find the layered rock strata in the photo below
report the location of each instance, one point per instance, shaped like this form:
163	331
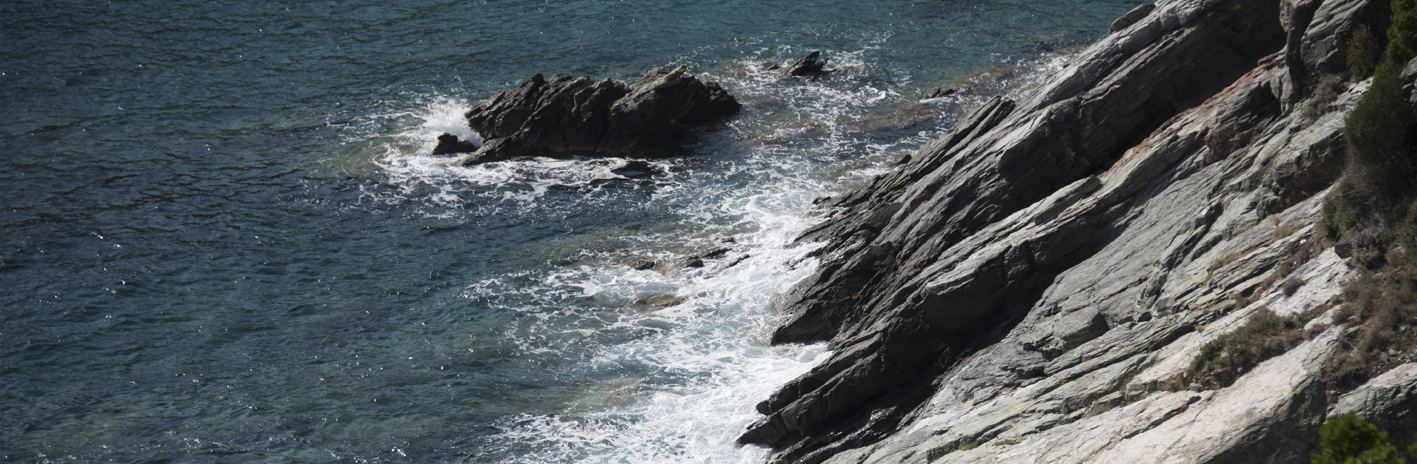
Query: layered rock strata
576	116
1032	279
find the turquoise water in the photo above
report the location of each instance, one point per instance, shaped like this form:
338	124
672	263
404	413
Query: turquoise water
222	238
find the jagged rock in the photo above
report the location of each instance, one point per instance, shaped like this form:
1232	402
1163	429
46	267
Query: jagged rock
1136	14
1047	254
710	252
807	66
569	116
449	144
939	92
673	266
726	264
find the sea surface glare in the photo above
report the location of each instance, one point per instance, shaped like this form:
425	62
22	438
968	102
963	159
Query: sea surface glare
223	239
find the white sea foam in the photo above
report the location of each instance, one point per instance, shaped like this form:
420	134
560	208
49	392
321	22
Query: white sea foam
676	384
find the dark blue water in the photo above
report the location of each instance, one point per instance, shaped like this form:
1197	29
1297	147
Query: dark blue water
222	238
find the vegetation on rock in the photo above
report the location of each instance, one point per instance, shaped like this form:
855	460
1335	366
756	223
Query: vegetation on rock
1364	52
1350	439
1373	214
1230	355
1382	128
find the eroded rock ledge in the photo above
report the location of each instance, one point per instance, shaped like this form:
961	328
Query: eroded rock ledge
1058	257
576	116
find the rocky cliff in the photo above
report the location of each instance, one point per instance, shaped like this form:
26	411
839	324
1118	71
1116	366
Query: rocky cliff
1034	285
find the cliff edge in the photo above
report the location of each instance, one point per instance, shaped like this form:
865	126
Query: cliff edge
1035	285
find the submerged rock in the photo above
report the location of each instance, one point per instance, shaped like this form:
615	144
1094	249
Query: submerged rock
576	116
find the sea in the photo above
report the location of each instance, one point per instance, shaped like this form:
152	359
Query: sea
223	236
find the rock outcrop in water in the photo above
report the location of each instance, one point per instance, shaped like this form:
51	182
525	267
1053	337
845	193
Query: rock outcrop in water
1030	281
576	116
807	66
450	144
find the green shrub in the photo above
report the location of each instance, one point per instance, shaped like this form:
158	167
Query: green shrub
1382	128
1339	211
1364	52
1380	132
1349	439
1402	35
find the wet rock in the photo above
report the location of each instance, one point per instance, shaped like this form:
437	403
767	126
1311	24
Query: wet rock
449	144
674	266
807	66
576	116
636	169
665	301
711	252
726	264
638	263
939	92
1132	17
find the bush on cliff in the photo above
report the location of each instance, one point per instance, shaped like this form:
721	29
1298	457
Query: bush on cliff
1230	355
1364	52
1374	215
1382	129
1350	439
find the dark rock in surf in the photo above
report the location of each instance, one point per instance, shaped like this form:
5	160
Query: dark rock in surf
449	144
576	116
673	266
636	169
940	92
808	66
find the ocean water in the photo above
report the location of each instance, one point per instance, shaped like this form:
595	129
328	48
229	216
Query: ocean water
223	239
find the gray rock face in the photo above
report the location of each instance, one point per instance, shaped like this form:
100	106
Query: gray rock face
1034	276
1325	39
1409	81
1131	17
1388	401
569	116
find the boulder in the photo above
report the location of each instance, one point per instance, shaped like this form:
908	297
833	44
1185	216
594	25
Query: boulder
808	66
449	144
575	116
